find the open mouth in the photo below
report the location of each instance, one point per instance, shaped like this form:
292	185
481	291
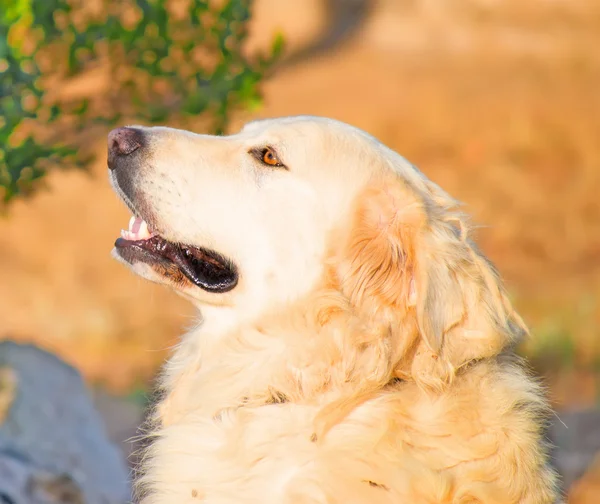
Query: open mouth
204	268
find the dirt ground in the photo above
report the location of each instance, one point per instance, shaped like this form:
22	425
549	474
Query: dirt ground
498	102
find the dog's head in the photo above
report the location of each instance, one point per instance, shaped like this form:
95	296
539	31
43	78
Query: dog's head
238	220
253	221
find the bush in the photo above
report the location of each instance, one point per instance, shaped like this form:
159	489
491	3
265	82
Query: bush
153	57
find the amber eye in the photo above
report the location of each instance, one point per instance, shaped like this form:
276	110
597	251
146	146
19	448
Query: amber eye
269	157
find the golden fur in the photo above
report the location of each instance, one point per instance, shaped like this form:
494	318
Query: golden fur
390	380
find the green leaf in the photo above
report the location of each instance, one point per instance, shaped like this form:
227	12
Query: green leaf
277	46
159	65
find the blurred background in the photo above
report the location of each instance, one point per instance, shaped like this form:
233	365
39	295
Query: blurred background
496	101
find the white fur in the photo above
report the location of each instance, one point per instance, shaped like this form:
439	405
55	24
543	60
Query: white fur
213	440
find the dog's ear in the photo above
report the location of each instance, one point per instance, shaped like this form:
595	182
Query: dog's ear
380	257
463	312
409	255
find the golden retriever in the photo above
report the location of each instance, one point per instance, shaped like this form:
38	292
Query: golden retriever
354	346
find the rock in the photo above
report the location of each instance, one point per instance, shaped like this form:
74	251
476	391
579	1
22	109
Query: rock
576	439
122	419
53	444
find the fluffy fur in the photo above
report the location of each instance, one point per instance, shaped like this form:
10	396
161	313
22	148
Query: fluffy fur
366	354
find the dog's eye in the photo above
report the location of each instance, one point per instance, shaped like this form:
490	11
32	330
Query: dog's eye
268	156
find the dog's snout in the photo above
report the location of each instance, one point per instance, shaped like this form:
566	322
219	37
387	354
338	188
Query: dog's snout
123	142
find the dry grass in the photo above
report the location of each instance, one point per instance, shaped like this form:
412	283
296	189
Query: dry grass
498	102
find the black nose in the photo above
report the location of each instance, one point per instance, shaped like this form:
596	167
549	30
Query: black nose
122	142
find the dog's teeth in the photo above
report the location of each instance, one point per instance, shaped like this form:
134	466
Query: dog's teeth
138	230
143	233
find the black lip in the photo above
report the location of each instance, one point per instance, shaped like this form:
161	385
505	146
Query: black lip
204	268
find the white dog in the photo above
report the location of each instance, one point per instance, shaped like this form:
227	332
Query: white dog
354	346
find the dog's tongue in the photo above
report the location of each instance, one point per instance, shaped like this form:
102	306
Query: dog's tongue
138	230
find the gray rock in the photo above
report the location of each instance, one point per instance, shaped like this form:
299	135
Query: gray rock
576	439
122	419
53	444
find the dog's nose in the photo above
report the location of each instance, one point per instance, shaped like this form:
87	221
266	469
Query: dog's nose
122	142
